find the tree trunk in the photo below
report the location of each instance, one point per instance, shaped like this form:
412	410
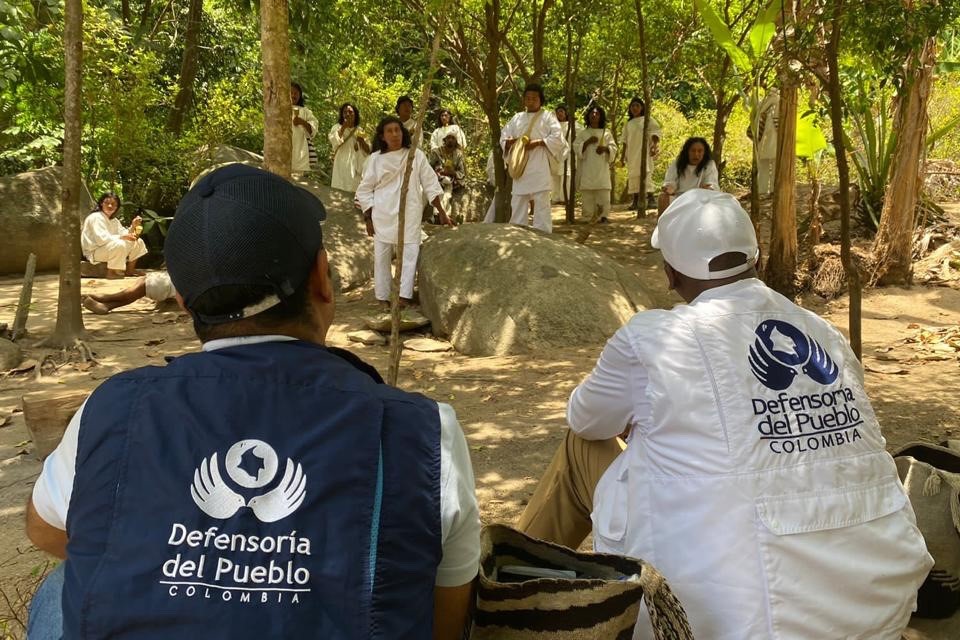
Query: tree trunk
647	108
69	326
843	172
893	247
188	69
781	268
277	110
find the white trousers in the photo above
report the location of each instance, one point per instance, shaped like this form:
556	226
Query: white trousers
118	252
541	210
594	201
383	273
765	169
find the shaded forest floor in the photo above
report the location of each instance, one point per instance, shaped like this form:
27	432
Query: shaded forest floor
511	408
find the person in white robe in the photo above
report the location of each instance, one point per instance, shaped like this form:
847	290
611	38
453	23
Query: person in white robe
445	127
404	111
451	170
543	138
104	239
768	120
596	150
379	197
560	167
350	149
304	127
632	154
694	168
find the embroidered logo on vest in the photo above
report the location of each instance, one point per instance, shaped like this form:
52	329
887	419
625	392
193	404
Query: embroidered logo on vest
251	464
781	352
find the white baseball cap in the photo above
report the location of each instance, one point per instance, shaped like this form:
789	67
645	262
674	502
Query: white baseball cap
700	225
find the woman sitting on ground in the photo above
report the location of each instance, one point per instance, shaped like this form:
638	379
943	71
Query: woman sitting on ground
104	239
693	169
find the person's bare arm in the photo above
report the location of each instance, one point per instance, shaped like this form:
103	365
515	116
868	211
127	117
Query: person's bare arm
451	606
45	536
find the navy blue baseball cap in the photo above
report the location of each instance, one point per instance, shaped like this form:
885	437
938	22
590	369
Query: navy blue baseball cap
240	225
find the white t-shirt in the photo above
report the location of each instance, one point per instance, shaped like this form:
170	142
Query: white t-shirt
459	514
98	230
708	178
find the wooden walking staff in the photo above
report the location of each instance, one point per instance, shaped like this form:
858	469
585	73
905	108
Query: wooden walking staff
395	347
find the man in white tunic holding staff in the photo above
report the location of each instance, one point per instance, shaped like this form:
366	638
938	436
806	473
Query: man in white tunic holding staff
540	134
379	197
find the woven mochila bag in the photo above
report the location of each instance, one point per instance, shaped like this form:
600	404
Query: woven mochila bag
931	475
601	602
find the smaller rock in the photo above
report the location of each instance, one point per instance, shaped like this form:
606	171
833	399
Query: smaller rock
367	337
409	320
427	345
10	354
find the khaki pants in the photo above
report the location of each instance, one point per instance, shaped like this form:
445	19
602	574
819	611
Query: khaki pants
559	510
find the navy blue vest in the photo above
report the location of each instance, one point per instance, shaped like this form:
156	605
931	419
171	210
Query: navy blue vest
264	490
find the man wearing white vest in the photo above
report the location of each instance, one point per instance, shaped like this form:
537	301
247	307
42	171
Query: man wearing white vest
755	476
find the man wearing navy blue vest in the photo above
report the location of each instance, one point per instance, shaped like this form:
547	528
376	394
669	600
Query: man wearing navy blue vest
267	486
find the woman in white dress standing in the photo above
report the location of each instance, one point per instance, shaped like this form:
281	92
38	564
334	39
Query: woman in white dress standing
379	197
304	127
694	168
597	151
446	126
350	149
632	155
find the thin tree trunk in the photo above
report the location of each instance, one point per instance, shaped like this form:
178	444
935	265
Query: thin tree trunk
843	172
781	268
69	328
188	69
647	108
277	110
125	12
893	247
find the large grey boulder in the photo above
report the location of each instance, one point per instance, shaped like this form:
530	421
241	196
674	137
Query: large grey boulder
497	289
30	218
344	235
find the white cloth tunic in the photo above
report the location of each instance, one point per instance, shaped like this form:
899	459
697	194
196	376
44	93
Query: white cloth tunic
633	141
708	178
536	177
348	160
595	167
380	189
436	138
756	478
98	231
300	152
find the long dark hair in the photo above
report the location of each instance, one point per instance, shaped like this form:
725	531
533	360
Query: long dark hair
682	160
603	116
356	112
440	117
106	196
300	89
379	144
636	100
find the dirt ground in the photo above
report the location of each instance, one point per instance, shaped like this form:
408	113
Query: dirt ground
511	408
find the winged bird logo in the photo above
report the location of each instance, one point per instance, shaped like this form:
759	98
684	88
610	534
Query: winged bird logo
781	352
216	499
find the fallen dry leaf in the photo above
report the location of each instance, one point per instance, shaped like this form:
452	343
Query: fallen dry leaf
888	369
26	365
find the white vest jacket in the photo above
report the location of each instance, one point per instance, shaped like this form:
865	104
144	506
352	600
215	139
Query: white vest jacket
759	485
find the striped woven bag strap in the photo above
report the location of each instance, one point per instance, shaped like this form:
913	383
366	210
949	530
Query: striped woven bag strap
667	615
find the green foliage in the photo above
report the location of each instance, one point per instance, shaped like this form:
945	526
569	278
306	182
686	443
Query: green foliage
868	103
